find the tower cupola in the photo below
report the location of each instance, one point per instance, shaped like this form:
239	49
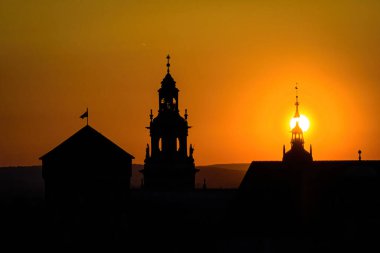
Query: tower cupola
168	93
297	153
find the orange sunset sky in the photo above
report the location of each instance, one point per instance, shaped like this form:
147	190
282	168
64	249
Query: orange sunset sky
235	62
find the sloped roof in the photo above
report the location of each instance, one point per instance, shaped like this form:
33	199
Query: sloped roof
86	138
168	82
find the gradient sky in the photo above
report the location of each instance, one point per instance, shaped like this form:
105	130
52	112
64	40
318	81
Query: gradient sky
235	63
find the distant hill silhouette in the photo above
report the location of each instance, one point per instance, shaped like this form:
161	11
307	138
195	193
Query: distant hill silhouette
230	166
21	183
225	176
27	183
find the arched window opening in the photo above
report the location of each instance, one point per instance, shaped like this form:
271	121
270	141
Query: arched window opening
177	144
160	144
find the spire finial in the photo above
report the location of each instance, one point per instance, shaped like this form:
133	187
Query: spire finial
191	150
168	64
297	114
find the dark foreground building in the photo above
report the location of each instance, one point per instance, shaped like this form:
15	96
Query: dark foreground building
310	199
87	179
168	163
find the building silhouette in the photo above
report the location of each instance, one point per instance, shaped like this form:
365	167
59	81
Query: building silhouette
87	179
169	165
300	195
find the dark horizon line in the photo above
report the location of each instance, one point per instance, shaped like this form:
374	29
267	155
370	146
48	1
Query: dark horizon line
215	164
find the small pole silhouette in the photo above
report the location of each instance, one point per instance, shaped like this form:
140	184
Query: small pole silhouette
204	184
360	155
168	64
191	150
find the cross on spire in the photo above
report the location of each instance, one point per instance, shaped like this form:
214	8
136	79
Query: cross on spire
168	64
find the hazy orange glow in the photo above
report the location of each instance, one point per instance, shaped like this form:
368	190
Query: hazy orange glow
235	63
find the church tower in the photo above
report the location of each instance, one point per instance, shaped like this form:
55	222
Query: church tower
297	153
169	165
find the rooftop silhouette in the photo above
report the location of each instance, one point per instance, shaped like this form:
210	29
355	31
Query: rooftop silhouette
87	181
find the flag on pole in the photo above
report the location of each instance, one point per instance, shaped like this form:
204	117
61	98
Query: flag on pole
85	115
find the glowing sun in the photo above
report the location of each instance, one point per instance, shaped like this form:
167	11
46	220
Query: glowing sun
302	121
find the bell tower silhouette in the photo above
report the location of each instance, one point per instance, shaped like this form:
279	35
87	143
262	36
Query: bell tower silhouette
168	165
297	152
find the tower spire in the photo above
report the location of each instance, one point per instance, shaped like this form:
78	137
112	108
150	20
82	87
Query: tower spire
297	114
168	164
297	133
297	153
168	63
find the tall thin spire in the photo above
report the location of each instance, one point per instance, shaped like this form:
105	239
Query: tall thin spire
297	114
297	133
168	64
297	152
